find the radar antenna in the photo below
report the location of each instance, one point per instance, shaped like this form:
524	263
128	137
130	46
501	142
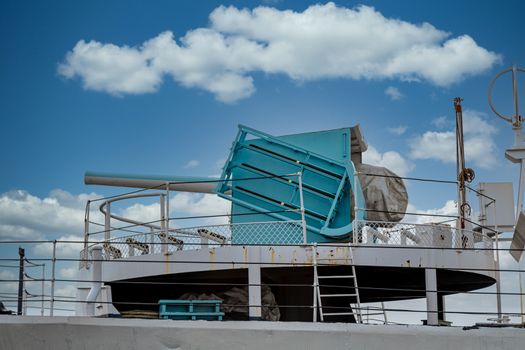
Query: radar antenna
516	154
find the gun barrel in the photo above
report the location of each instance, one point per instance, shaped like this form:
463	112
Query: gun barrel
176	183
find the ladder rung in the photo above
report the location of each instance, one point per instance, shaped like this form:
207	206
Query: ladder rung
338	314
337	295
348	276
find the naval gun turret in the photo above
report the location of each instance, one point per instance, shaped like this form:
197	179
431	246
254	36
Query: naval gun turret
318	176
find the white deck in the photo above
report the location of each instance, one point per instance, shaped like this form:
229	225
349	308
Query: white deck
240	257
61	333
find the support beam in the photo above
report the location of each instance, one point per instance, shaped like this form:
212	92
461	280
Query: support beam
432	297
254	291
441	307
96	281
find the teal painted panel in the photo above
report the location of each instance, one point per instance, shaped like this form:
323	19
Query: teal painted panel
328	176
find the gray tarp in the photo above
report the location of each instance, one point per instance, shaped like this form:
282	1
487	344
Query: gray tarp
384	192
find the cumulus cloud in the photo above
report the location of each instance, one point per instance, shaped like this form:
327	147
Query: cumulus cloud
441	122
390	159
182	204
24	216
399	130
68	246
480	147
394	93
323	41
426	215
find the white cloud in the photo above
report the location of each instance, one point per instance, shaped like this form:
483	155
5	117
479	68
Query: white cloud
8	287
182	204
426	216
192	164
394	93
68	246
480	147
400	130
193	204
24	216
16	232
323	41
69	272
66	291
390	160
441	122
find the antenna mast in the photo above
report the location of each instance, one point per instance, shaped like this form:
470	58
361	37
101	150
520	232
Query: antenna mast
516	154
464	174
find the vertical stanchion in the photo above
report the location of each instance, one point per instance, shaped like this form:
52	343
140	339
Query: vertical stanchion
356	210
83	263
167	208
301	201
21	254
96	281
254	286
316	281
107	223
432	297
53	268
498	282
163	223
26	295
42	288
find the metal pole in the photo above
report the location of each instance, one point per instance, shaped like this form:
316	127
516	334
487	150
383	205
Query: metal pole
315	284
521	186
522	297
42	290
96	281
356	210
515	93
301	200
53	266
498	282
107	223
167	207
86	235
163	223
21	254
26	295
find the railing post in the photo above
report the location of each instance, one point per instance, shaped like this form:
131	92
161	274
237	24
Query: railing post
167	199
96	281
84	263
42	288
107	222
316	281
163	223
21	254
498	282
53	268
301	201
355	224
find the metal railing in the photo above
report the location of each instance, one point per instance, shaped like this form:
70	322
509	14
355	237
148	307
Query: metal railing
197	237
422	235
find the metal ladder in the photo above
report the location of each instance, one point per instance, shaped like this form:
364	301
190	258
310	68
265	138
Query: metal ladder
318	297
376	311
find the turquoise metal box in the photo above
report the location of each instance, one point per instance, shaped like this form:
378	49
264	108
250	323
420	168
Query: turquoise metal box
191	309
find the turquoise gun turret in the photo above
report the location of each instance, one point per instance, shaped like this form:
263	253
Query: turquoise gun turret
261	178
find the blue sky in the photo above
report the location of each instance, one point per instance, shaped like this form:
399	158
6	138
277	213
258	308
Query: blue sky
59	118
